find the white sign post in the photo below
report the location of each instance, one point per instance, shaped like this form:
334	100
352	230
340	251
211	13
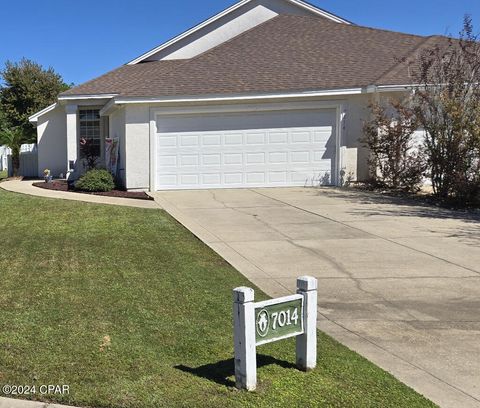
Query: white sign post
245	347
307	342
273	320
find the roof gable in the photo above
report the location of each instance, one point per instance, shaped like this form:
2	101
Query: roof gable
285	54
315	54
228	24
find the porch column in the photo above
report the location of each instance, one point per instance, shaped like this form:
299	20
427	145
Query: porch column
72	140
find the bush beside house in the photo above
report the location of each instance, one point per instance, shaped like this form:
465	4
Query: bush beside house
446	105
96	180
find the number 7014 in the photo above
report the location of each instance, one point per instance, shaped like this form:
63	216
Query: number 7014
284	318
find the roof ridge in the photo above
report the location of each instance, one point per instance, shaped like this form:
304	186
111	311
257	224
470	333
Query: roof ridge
211	50
363	27
407	56
242	34
403	59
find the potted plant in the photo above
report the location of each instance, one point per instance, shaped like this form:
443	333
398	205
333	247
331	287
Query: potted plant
47	176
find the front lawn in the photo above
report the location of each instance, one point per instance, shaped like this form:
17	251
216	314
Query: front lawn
130	310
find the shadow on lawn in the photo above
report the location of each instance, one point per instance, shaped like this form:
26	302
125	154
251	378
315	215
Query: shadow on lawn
221	371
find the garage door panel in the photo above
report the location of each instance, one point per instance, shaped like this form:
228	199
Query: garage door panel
234	139
321	136
233	178
278	157
278	177
320	155
233	159
209	154
301	137
167	161
278	137
255	158
212	179
255	178
255	139
212	159
300	157
189	160
212	140
167	180
167	141
189	141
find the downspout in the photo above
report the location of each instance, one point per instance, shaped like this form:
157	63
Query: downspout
375	98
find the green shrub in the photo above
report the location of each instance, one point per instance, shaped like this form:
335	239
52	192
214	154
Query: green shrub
95	181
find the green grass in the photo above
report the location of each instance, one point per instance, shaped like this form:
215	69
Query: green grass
73	273
3	175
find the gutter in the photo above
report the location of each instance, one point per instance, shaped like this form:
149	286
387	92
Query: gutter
85	97
115	100
233	98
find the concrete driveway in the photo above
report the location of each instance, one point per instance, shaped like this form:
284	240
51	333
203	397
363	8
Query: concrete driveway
399	283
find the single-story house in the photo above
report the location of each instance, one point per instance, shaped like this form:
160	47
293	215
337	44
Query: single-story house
266	93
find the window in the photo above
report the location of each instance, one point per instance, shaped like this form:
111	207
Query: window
90	128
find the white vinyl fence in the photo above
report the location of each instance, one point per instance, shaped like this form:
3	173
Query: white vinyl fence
4	153
28	161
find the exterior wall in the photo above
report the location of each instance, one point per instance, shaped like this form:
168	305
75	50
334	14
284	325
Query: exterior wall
356	155
52	142
137	145
117	130
358	113
227	27
132	125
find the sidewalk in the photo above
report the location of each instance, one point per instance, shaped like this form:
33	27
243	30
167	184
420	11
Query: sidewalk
26	187
14	403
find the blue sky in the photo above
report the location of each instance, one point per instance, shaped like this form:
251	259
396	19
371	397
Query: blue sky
84	39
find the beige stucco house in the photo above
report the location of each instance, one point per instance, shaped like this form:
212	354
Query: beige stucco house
266	93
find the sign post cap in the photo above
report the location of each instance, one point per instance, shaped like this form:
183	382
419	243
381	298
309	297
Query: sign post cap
243	295
307	283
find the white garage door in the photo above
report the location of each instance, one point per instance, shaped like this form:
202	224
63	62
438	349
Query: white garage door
287	148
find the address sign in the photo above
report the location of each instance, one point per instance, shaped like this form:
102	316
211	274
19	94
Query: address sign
272	320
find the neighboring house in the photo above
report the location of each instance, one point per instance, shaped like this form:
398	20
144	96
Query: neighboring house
266	93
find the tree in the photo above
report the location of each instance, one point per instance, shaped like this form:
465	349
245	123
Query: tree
27	88
448	107
396	161
13	138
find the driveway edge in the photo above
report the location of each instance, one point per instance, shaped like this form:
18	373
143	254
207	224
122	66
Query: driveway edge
436	390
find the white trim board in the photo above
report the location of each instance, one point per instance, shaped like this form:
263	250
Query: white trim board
34	117
93	96
229	10
270	302
233	97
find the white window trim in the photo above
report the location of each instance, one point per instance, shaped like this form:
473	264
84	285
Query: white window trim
101	158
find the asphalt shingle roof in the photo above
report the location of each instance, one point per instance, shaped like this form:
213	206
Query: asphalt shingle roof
285	54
